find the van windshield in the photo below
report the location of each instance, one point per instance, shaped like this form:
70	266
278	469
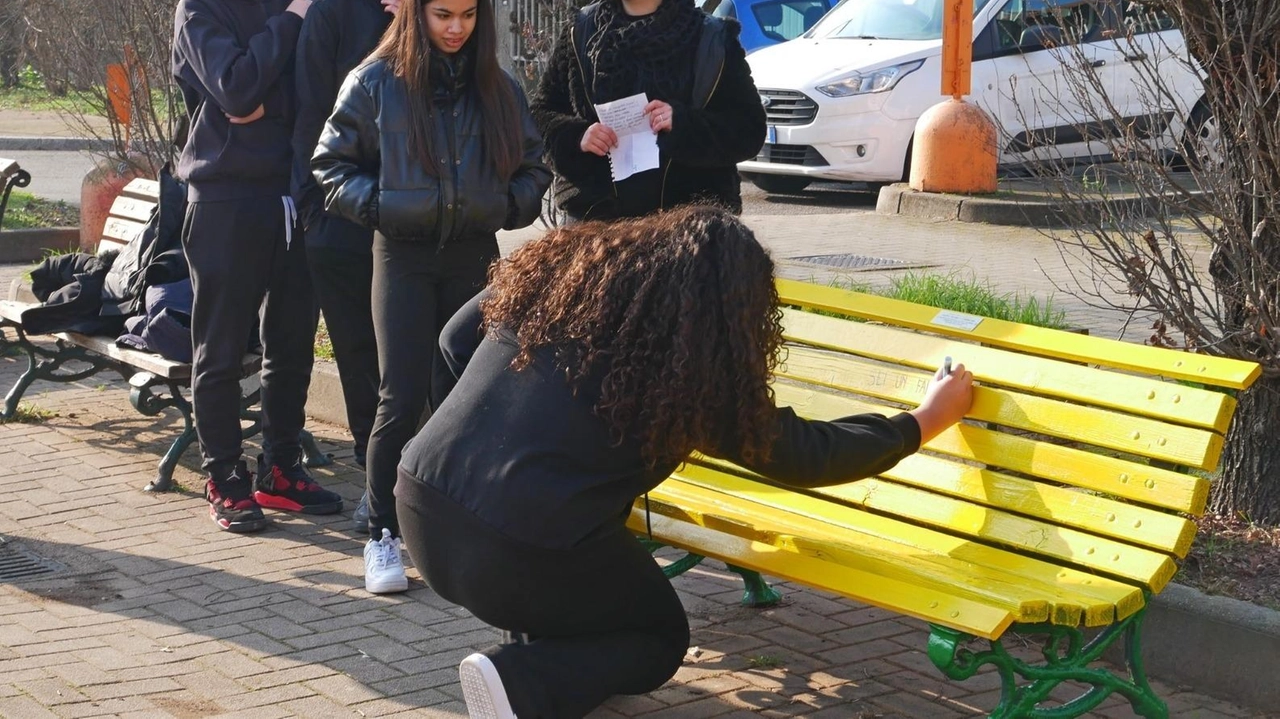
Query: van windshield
886	20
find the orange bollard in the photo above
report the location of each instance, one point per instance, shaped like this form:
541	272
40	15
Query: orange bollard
955	142
955	150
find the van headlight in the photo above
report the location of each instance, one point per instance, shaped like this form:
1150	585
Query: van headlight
861	83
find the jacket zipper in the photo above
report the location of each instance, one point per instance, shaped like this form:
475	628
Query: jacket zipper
662	195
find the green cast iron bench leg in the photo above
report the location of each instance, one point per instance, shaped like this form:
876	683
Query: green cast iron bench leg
1067	658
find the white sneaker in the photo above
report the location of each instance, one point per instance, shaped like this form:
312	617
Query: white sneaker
383	568
482	689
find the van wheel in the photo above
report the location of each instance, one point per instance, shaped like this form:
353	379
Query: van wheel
1202	142
782	184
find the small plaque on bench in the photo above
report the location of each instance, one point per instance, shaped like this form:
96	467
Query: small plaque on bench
957	320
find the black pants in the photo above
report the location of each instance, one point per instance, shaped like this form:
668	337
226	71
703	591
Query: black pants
415	291
242	271
343	280
604	619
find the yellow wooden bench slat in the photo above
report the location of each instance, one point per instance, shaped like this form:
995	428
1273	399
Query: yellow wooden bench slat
1217	371
750	504
1038	375
1133	523
1099	427
909	599
1152	569
795	533
1111	475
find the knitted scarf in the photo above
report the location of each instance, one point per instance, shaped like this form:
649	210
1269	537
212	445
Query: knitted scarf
652	54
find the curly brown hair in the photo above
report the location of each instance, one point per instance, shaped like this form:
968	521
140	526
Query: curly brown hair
677	312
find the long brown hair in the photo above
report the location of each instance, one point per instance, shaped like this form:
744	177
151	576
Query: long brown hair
406	48
676	311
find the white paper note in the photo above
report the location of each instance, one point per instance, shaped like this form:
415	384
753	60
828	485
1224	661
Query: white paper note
637	149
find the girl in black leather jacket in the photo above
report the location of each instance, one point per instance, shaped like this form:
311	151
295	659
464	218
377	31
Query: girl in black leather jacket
430	144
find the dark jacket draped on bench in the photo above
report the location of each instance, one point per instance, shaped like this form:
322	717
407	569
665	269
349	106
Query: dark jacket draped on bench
525	437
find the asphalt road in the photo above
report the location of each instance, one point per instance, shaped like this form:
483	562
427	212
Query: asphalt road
57	176
54	175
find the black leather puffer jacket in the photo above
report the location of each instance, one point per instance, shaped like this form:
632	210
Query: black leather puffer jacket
370	177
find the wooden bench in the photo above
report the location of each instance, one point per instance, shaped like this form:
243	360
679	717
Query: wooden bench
1058	508
11	176
155	383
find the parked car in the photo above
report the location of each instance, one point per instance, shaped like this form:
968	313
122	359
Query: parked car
766	22
842	100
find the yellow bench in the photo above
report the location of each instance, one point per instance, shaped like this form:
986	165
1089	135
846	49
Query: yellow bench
1065	500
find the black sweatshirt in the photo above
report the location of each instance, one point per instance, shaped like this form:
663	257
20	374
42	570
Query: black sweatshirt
532	460
336	36
229	57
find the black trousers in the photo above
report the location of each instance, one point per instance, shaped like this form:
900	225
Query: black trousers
604	619
242	271
343	280
416	289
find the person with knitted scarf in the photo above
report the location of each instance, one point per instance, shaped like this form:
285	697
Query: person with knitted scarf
703	106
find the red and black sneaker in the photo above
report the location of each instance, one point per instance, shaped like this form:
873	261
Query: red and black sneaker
231	504
291	489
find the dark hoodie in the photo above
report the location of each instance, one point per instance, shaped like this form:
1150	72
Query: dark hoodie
337	36
229	57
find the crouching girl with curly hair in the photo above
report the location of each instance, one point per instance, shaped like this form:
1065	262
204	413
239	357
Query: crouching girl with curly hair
597	360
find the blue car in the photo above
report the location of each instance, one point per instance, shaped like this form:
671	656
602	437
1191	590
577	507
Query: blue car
766	22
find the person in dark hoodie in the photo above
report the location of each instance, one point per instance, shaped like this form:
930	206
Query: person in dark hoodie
597	360
337	35
233	61
703	105
431	145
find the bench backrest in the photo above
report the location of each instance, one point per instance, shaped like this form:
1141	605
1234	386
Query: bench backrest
1081	450
129	213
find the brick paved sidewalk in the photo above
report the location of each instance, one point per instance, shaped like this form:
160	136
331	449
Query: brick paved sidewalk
155	613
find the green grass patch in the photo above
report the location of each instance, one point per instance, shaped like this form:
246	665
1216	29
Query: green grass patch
32	94
764	661
951	292
324	345
29	414
27	211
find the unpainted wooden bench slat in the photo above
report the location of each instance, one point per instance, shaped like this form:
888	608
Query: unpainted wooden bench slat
120	231
1111	475
1151	528
143	188
12	310
8	167
1218	371
1099	427
756	509
1038	375
909	599
136	209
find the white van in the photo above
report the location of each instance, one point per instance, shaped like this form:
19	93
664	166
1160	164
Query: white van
843	99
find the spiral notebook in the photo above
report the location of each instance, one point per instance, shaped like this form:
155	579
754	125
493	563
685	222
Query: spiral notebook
637	149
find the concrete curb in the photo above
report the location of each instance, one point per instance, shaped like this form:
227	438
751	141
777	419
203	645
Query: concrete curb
28	245
54	144
1018	209
1220	646
1223	647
